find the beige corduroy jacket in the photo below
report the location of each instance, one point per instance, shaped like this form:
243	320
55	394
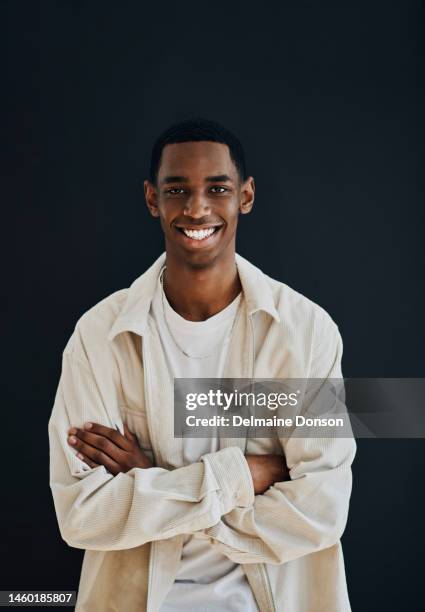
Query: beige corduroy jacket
132	525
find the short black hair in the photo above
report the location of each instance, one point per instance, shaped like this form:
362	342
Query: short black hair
197	129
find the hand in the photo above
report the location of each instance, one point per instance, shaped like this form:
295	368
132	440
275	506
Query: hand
100	445
266	470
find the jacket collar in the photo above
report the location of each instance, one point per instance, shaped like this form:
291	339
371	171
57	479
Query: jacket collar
134	313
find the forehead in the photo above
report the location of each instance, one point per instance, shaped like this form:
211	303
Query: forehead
196	159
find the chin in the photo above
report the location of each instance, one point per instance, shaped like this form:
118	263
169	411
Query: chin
200	260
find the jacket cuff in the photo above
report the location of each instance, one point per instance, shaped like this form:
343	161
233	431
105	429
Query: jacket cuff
233	476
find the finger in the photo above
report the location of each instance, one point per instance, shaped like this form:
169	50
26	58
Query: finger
96	455
128	434
112	434
105	445
89	462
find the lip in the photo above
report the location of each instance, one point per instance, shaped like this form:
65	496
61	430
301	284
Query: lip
198	227
198	244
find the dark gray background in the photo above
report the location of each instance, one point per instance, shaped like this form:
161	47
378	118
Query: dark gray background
328	101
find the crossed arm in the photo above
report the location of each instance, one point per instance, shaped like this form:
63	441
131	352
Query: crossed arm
100	445
252	512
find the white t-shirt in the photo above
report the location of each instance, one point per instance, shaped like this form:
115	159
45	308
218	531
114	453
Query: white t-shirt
207	581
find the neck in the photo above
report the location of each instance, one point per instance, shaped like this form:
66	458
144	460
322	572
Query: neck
199	293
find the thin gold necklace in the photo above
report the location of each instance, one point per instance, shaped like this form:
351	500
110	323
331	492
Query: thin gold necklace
226	340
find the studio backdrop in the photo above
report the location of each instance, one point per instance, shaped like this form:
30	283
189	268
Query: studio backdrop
327	100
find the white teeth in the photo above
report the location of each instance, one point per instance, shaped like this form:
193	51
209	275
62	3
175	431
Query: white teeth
199	234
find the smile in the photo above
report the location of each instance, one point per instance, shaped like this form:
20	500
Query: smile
199	234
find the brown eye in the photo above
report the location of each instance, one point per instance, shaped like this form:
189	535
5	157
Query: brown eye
224	189
175	190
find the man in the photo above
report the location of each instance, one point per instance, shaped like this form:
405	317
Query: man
198	524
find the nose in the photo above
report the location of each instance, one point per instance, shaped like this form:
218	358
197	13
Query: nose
196	206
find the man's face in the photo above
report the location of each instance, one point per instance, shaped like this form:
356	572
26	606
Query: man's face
198	198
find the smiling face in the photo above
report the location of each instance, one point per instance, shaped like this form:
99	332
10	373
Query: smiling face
198	197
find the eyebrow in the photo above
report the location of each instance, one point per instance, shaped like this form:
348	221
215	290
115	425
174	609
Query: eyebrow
218	178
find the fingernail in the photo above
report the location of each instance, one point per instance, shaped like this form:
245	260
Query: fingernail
72	440
88	425
80	456
73	430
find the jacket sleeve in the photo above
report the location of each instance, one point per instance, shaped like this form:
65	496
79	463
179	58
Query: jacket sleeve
99	511
309	512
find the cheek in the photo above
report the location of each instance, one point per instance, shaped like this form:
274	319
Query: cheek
165	219
168	212
227	209
232	220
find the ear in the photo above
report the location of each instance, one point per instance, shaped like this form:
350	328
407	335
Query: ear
247	196
151	197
